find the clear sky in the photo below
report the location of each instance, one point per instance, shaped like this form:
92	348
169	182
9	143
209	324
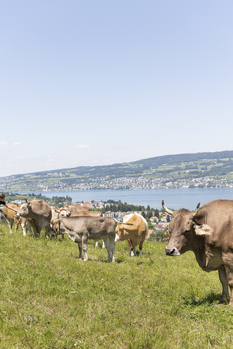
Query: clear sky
87	82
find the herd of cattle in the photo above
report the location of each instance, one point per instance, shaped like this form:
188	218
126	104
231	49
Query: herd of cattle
79	223
207	231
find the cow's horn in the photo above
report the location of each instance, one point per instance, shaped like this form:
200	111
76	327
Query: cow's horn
117	220
197	211
166	209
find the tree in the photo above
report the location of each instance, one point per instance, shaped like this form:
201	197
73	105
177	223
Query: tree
150	225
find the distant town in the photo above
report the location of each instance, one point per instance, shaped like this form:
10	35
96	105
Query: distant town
124	183
200	170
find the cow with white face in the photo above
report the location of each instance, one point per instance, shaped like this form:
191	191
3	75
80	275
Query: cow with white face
39	213
134	229
208	232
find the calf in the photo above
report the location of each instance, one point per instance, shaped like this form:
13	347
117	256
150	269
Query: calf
80	229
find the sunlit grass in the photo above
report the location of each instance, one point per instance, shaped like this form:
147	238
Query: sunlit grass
51	299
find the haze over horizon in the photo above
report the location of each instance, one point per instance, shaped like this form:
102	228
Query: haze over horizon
100	83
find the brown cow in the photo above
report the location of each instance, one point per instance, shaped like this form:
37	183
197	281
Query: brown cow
78	210
40	215
134	229
208	232
82	228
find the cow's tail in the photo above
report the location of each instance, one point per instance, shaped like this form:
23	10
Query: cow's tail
146	223
147	230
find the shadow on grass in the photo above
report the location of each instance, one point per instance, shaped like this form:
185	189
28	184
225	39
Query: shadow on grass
209	299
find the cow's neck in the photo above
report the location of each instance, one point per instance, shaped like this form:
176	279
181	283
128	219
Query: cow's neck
198	248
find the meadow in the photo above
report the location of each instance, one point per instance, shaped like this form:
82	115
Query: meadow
50	299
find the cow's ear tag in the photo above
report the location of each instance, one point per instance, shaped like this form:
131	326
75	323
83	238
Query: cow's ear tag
203	229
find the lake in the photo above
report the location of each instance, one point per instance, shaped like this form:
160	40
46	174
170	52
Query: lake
173	198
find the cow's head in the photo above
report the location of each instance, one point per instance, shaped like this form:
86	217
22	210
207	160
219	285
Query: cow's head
63	211
55	226
121	231
24	209
184	230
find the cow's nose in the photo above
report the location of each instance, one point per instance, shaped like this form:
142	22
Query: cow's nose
169	251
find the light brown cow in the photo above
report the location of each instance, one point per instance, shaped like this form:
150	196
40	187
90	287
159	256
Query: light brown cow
134	229
208	232
10	216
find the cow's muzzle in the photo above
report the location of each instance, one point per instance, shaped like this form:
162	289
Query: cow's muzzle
117	238
172	251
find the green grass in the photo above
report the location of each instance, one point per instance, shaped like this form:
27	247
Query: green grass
51	299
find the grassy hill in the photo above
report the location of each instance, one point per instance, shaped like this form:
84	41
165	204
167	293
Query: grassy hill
51	299
171	167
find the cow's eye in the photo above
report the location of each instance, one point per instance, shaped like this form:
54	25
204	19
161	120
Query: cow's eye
186	232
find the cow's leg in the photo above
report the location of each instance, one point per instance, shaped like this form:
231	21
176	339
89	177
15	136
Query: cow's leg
131	248
84	247
140	247
80	250
96	244
35	229
229	273
223	279
103	246
47	232
17	222
134	250
23	225
28	227
109	248
112	246
228	264
10	224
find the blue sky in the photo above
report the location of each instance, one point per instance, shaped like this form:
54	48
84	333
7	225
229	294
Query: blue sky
102	82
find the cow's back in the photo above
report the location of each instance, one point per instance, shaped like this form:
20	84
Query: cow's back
41	208
138	223
90	225
218	214
8	213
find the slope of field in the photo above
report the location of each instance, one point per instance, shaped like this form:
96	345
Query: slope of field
50	299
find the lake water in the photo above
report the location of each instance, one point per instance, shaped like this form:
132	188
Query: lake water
173	198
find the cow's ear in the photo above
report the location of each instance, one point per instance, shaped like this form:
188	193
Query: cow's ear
203	229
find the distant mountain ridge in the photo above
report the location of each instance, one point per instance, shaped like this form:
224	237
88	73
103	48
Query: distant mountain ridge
168	168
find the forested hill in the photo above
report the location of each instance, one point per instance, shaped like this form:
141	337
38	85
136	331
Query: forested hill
161	170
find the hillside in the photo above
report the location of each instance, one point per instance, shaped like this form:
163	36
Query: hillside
209	169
